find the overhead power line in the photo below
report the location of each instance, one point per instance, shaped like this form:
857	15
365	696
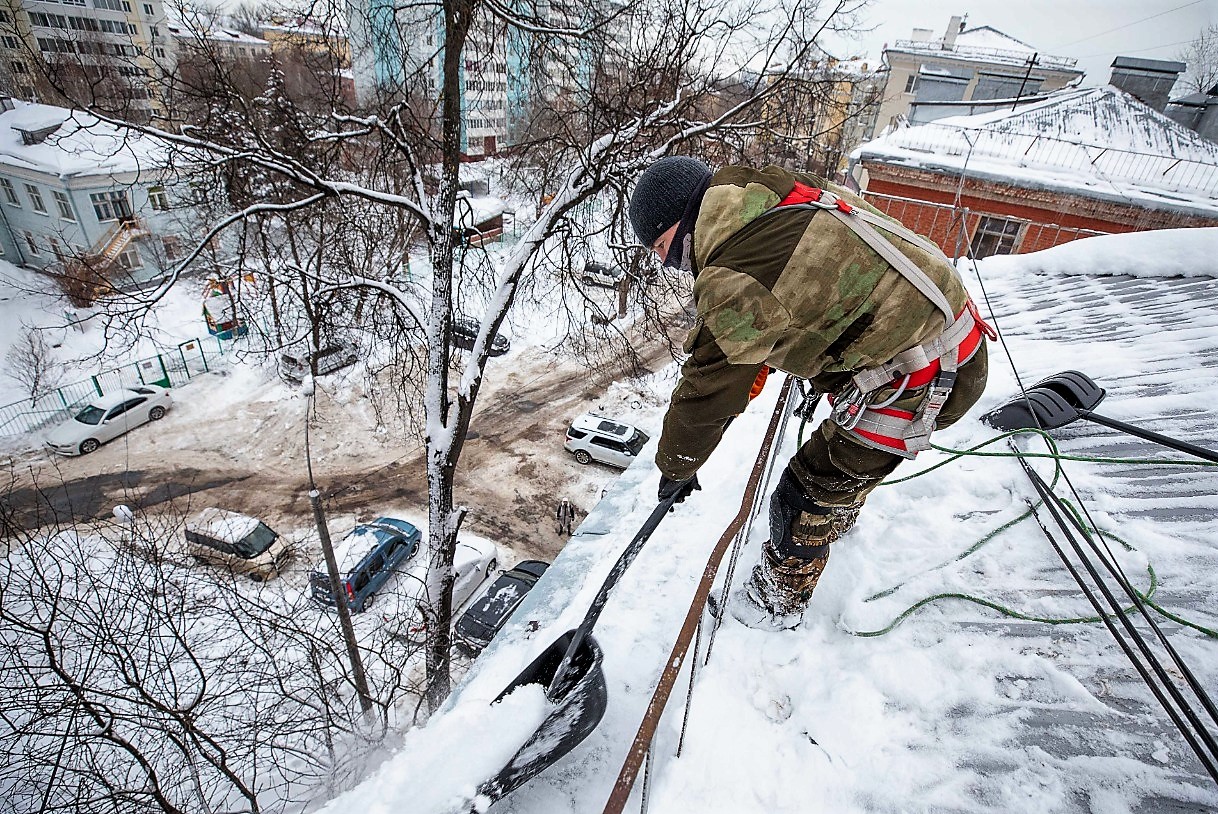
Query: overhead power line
1127	25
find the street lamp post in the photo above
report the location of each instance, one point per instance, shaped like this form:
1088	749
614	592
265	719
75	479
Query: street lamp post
336	591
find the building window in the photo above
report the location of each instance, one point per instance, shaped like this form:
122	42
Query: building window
19	67
65	206
158	198
148	10
10	194
911	83
172	246
110	205
36	198
9	42
29	241
995	236
130	258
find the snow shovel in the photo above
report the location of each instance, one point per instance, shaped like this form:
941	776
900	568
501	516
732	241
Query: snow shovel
1067	397
570	670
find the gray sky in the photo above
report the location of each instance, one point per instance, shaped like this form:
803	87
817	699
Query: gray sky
1092	31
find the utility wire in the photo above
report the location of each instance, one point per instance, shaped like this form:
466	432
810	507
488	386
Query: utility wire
1127	25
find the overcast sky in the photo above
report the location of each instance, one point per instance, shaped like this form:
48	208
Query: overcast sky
1092	31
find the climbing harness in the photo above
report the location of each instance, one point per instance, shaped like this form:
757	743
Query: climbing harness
932	365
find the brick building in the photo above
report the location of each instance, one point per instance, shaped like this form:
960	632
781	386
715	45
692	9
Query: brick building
1078	163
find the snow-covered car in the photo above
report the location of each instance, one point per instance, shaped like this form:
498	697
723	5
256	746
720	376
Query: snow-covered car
238	542
473	561
465	333
602	274
489	612
108	417
595	438
295	365
366	557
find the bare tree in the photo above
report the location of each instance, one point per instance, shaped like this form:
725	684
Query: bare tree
32	363
297	174
1201	56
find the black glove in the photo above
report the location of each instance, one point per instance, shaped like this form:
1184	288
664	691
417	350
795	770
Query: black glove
677	489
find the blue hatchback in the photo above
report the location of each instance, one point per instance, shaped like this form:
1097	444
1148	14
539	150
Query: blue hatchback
366	557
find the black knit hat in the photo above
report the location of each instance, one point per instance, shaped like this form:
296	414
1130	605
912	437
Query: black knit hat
662	195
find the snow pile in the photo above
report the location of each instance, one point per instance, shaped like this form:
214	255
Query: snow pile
1163	253
439	767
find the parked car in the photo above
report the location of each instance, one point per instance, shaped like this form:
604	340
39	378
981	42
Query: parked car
294	365
238	542
473	562
366	557
595	438
487	615
108	417
465	333
597	273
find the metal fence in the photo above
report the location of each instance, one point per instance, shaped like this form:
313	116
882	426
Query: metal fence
1195	173
168	369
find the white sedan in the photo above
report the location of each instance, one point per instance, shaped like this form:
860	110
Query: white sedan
108	417
473	561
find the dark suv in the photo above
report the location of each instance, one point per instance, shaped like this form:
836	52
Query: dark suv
366	558
487	615
465	333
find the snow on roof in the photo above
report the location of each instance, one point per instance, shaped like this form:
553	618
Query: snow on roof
472	211
986	37
957	708
218	33
82	145
1093	142
985	44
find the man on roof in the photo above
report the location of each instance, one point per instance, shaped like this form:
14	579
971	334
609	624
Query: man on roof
799	275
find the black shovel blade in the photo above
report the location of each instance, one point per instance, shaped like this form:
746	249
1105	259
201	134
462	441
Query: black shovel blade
1040	407
581	701
1078	389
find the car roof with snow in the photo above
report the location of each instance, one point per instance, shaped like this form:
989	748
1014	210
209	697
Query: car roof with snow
590	422
353	547
222	524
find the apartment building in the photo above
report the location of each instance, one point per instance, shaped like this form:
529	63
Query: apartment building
965	64
111	52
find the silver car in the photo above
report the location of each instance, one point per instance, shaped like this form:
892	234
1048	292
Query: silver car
108	417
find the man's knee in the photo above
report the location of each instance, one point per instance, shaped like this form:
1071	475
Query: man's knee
802	527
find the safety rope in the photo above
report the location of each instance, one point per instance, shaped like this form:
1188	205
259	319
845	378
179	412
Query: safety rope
640	747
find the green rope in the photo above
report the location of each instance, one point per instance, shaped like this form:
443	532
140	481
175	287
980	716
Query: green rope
1054	455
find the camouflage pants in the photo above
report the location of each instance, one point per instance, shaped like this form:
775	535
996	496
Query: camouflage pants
820	495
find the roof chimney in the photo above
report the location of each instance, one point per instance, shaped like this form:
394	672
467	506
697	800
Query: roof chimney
949	38
1148	80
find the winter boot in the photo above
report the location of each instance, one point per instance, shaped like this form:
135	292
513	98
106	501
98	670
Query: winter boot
777	593
795	556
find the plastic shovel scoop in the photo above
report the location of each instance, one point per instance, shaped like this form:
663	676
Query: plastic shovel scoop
570	670
1066	397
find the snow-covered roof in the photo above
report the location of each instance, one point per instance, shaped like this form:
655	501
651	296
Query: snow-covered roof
82	144
219	34
958	708
473	210
1092	142
985	44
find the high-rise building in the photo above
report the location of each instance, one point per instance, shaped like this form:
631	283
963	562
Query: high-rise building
108	52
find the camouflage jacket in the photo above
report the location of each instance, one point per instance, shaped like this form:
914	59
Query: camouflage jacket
796	290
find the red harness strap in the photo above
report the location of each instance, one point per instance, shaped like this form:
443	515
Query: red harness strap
802	194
